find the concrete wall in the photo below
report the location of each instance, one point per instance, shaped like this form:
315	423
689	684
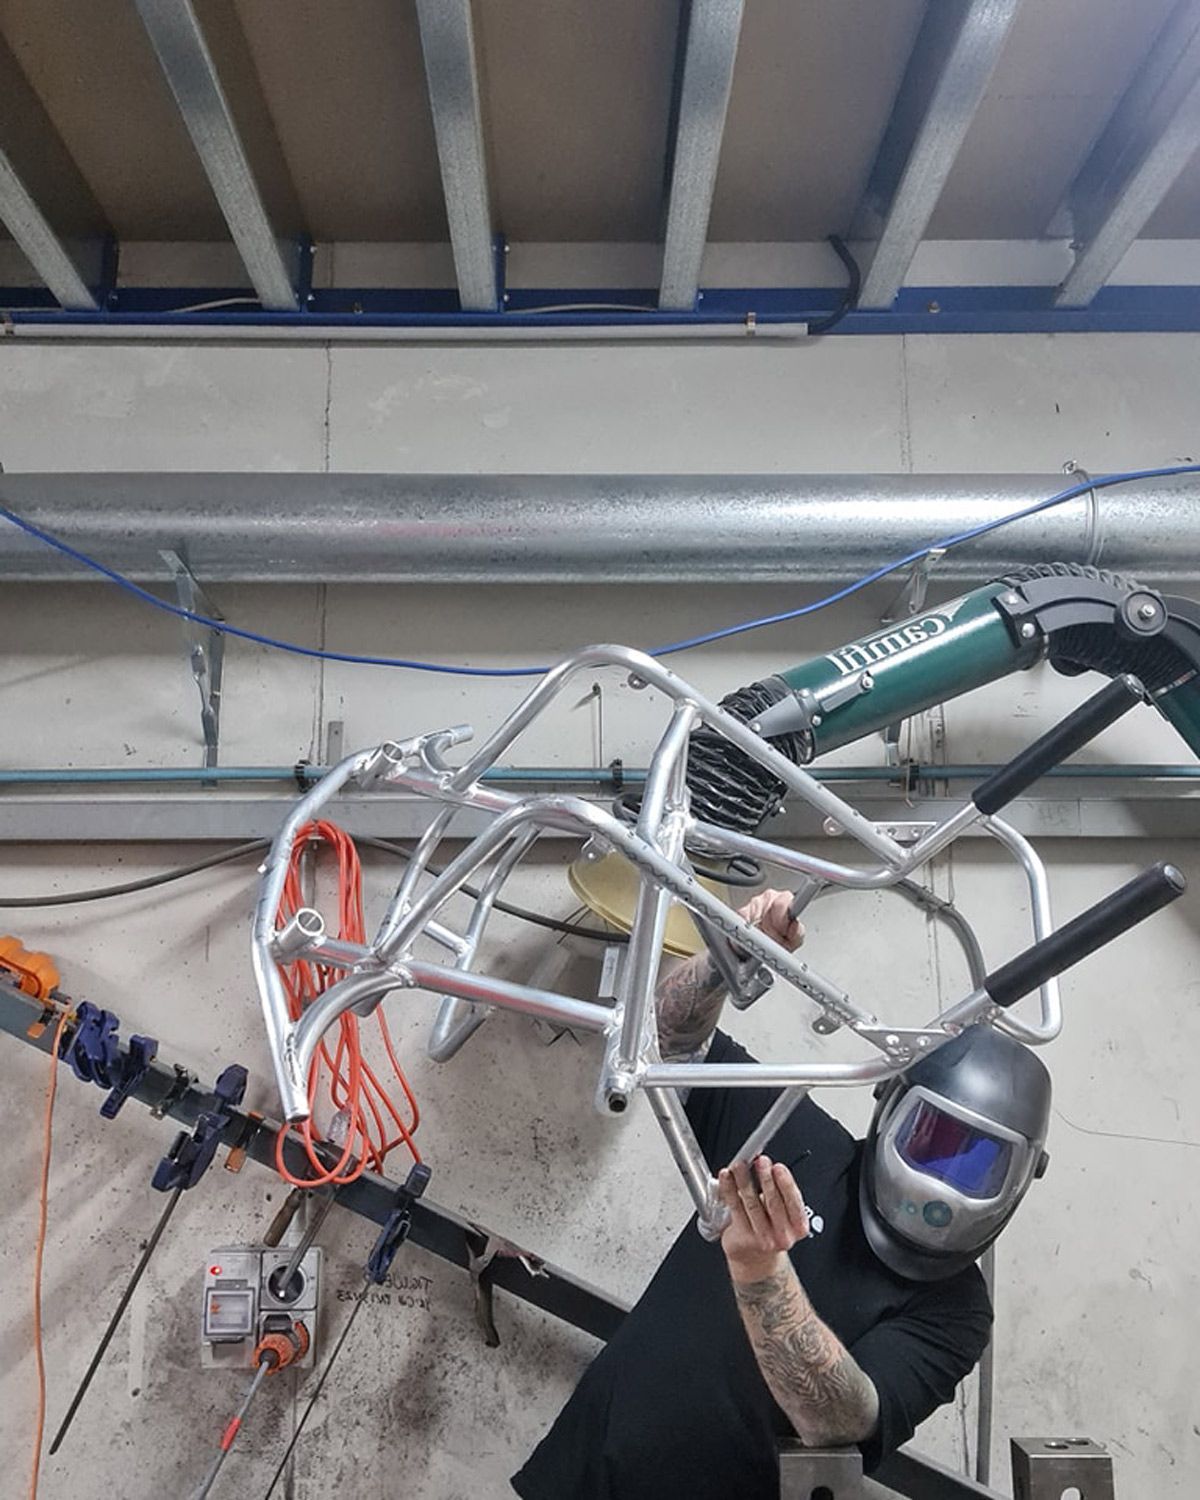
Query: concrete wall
1098	1276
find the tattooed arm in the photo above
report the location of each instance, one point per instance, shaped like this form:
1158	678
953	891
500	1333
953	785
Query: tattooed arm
689	999
827	1398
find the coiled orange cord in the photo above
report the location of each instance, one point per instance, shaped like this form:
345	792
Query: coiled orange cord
353	1088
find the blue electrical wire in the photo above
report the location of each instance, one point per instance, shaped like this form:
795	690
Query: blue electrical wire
1083	487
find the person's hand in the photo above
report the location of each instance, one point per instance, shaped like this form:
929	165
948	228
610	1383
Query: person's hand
771	911
766	1217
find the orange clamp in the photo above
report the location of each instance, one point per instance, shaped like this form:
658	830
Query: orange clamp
37	973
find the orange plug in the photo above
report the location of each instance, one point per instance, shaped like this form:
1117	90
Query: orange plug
282	1349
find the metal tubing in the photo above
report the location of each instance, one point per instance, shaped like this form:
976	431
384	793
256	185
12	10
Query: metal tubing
645	669
768	1075
290	1078
1043	924
458	1020
174	29
681	1139
255	527
660	825
364	991
567	776
771	1123
709	44
426	845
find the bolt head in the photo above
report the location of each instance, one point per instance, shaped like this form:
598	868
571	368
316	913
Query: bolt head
1146	611
1011	599
1028	630
866	682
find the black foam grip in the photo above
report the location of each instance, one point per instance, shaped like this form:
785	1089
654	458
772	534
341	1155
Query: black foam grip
1083	724
1109	918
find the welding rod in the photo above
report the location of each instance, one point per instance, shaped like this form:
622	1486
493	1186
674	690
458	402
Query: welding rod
231	1431
281	1279
114	1321
312	1400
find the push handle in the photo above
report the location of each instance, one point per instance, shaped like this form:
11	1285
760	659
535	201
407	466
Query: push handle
1083	724
1091	929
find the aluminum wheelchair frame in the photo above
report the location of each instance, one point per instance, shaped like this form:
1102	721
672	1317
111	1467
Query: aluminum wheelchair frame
656	846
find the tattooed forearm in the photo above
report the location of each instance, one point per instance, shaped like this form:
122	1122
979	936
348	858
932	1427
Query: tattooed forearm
688	1004
811	1374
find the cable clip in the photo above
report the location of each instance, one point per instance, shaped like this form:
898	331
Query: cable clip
397	1224
191	1155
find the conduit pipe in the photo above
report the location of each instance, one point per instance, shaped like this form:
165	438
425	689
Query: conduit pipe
556	529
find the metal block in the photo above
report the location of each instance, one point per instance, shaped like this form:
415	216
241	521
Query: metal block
820	1473
1045	1468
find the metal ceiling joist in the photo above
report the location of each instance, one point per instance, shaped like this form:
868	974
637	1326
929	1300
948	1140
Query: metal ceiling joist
1152	135
957	48
709	50
448	44
187	63
36	171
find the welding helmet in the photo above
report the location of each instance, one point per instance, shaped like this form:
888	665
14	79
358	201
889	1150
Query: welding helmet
955	1142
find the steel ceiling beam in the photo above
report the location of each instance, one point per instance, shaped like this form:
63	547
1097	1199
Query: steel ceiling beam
37	180
1152	135
709	49
191	74
452	73
956	50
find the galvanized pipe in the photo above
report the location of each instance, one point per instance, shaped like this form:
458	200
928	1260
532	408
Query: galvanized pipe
575	528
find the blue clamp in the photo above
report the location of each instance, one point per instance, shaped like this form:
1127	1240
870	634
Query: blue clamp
134	1065
92	1048
95	1055
191	1155
397	1224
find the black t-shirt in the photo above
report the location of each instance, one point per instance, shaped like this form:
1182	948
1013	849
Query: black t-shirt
675	1405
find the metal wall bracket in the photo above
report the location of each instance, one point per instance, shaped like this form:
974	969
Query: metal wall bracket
832	1473
1043	1468
205	649
910	599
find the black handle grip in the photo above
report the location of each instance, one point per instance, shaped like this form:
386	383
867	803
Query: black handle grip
1083	724
1109	918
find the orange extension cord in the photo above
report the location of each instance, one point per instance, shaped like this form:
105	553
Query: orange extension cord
353	1088
39	1249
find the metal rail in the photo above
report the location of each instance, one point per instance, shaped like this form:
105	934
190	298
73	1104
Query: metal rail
371	1196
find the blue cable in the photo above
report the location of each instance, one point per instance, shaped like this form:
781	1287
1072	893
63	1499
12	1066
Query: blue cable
1083	487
